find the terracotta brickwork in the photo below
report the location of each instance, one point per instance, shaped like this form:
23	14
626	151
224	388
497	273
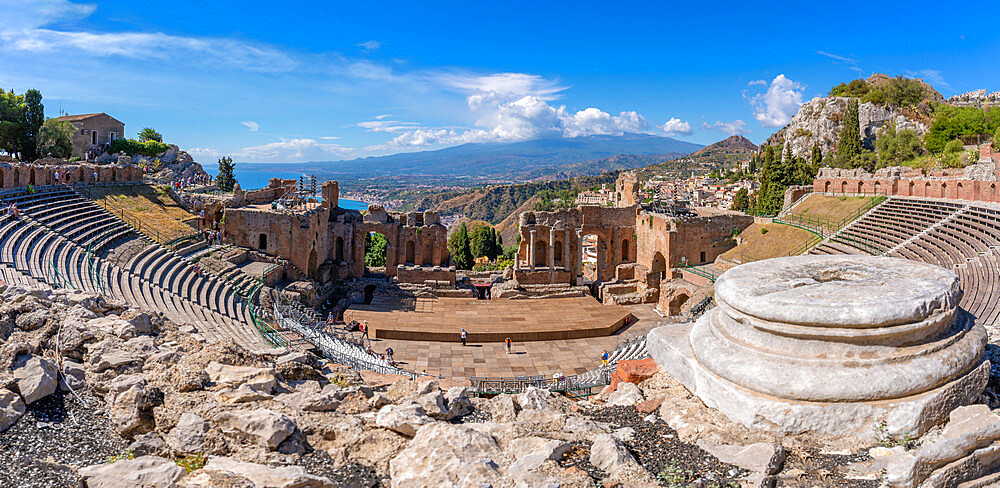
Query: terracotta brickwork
974	183
327	241
627	190
20	175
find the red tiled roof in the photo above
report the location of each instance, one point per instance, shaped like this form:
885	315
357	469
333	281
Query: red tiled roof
77	118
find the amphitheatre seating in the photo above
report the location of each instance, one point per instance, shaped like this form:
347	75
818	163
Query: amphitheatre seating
963	237
59	236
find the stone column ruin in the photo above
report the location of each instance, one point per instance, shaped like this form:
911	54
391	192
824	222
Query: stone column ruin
831	344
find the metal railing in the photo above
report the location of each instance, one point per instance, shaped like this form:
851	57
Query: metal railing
700	271
339	351
55	278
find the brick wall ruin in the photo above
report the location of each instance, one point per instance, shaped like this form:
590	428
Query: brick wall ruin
977	182
328	242
21	175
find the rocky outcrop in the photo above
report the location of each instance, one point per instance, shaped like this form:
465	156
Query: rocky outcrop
446	455
36	377
11	408
145	471
819	121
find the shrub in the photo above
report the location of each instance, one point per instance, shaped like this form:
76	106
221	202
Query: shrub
953	146
763	230
500	264
75	159
132	146
193	462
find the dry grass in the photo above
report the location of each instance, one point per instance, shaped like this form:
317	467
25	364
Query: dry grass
779	240
152	206
832	208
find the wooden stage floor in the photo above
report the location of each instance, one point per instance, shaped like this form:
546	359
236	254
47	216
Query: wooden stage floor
441	319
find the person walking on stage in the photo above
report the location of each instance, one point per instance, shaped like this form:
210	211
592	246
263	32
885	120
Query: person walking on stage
507	344
463	335
604	358
388	355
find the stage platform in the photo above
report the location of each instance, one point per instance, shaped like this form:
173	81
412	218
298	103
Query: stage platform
441	319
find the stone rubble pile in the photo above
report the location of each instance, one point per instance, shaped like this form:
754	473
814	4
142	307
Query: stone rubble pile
258	418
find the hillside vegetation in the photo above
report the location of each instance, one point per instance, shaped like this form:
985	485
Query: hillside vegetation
830	208
493	204
151	206
766	241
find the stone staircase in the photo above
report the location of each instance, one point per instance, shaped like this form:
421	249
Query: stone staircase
57	228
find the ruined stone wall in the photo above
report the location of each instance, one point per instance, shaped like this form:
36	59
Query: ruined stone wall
554	241
423	274
20	175
666	243
627	189
975	183
328	242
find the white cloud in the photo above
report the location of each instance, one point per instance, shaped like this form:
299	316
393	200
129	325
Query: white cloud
370	45
734	128
781	101
931	76
329	138
836	57
23	31
382	125
292	150
676	127
253	126
205	154
31	14
383	116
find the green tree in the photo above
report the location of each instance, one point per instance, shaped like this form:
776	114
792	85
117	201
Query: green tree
741	200
849	146
458	247
894	148
497	243
817	156
55	138
226	179
11	116
375	249
148	134
482	242
31	124
996	140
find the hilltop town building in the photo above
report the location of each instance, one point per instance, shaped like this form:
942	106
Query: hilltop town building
93	132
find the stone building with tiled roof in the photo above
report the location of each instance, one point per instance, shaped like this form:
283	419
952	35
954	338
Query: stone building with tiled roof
93	132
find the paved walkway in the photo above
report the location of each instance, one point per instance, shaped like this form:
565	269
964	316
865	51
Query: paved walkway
572	356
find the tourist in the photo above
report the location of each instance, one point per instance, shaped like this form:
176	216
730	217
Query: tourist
96	179
371	352
463	335
388	354
507	344
364	329
329	320
604	358
56	175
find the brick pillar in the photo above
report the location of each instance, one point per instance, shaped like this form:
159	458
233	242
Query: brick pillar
565	259
579	256
551	258
531	249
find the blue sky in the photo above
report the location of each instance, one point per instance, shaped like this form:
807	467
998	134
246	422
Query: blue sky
301	81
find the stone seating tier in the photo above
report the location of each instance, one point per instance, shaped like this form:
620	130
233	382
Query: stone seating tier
61	227
831	344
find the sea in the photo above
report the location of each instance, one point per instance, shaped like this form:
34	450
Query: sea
257	176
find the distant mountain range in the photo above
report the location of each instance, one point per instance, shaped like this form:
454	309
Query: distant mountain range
524	160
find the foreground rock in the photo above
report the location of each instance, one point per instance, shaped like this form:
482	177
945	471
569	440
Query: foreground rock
145	471
446	455
36	378
224	471
11	408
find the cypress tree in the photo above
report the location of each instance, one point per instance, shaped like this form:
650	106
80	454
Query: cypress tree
849	146
458	247
226	179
